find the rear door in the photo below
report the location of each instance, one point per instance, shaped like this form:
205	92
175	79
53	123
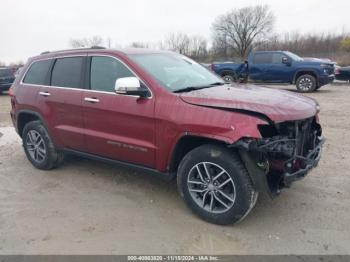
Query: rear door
119	127
36	75
61	102
258	66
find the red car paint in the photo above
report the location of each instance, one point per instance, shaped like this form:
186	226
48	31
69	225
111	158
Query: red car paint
146	131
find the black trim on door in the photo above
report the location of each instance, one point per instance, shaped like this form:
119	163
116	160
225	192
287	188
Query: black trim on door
86	72
49	72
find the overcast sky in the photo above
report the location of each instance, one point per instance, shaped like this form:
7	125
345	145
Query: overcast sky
29	27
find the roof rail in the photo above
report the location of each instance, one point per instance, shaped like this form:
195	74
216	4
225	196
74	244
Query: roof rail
97	47
73	49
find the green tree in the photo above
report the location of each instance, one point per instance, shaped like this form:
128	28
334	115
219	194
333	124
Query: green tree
345	44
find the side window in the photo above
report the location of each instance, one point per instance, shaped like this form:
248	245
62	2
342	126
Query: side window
105	71
263	58
67	72
277	58
38	72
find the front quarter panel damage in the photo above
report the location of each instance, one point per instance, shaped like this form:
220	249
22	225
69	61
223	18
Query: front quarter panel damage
184	119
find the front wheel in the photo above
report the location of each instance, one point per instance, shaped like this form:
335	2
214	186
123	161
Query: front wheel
215	185
306	83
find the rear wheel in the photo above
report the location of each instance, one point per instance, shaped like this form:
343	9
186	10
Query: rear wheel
39	147
229	77
215	185
306	83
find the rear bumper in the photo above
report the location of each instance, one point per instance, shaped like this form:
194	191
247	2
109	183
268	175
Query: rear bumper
325	79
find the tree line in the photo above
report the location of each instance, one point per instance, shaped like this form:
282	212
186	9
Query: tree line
238	32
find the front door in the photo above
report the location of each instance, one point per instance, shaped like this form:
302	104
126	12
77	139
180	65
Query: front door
118	127
279	72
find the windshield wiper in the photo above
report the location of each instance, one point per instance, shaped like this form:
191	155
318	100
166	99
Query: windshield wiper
216	84
192	88
186	89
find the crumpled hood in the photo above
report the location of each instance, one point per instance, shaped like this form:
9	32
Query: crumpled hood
277	105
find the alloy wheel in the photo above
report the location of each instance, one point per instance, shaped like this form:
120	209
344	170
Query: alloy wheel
228	79
35	146
305	83
211	187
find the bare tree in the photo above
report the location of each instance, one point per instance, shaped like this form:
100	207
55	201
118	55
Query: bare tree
2	63
19	63
109	42
330	45
198	47
139	45
241	28
220	46
86	42
178	42
194	46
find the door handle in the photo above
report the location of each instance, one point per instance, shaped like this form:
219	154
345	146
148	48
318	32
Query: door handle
46	94
91	100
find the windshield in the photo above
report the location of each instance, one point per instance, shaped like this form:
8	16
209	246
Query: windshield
294	56
176	72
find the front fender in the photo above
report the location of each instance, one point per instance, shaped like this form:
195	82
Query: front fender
306	70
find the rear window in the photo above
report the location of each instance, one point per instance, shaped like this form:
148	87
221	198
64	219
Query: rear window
263	58
67	72
37	73
6	72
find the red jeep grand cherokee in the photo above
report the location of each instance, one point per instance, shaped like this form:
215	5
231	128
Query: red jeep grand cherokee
166	114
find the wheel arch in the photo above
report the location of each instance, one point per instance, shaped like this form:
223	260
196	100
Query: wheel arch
305	72
185	144
26	116
224	72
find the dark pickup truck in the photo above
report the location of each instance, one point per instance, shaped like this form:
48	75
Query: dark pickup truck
6	79
278	67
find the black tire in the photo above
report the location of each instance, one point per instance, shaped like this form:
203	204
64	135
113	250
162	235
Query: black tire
306	83
45	161
229	77
245	196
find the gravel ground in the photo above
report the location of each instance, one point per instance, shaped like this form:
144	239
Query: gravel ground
87	207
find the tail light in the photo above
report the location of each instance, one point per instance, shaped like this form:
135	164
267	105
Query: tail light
337	71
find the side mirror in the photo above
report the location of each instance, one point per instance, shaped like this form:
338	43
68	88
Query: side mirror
130	86
286	61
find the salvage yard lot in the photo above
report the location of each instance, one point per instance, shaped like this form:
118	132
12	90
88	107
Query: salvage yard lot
88	207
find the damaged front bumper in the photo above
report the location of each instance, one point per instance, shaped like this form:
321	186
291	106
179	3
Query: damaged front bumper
308	162
276	162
